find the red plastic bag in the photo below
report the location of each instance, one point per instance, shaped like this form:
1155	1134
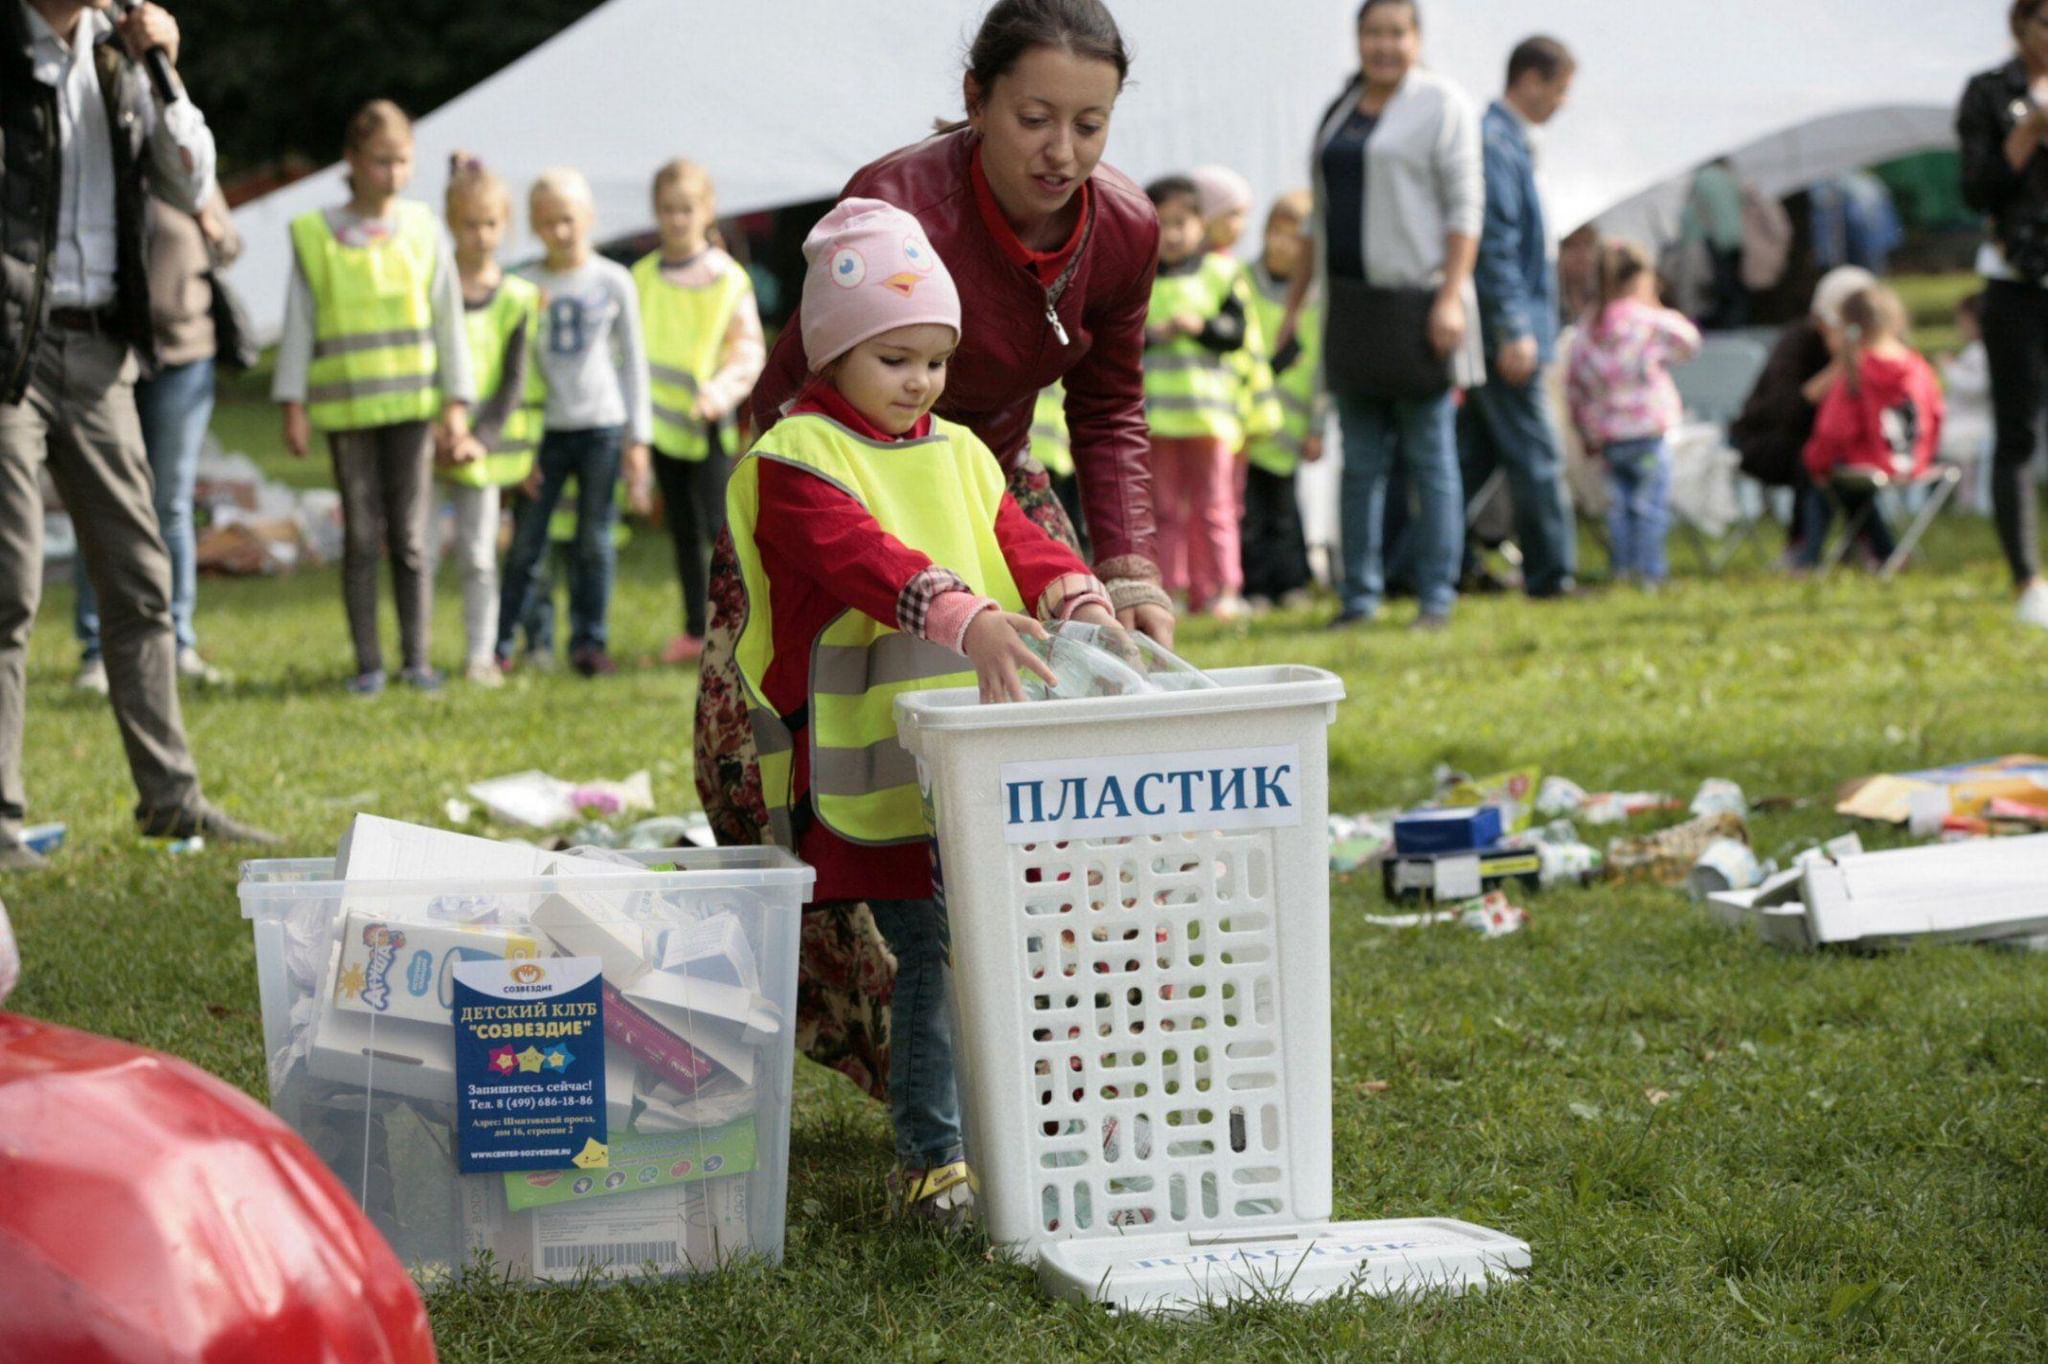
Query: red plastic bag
149	1212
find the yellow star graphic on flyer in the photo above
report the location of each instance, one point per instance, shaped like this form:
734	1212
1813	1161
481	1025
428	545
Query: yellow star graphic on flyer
595	1155
530	1059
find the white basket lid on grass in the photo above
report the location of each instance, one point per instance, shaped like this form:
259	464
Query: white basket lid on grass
1178	1273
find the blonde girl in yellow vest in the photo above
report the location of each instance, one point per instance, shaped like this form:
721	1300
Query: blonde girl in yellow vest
374	354
704	351
501	314
880	551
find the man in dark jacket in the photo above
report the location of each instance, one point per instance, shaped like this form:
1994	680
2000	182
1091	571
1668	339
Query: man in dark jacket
1507	421
84	141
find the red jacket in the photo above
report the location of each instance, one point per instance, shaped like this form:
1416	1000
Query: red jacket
1009	351
823	552
1890	421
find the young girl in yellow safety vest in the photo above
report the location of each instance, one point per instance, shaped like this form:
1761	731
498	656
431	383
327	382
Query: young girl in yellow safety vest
373	351
502	315
704	352
879	551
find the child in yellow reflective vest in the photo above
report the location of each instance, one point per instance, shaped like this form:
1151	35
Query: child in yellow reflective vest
1275	551
373	352
704	352
1196	321
502	313
880	551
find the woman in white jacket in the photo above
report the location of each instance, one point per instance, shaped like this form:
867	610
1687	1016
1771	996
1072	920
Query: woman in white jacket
1399	198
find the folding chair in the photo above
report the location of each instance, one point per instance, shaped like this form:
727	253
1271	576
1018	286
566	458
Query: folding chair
1714	386
1939	484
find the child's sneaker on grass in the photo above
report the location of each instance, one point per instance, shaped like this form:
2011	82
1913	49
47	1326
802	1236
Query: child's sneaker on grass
193	668
942	1195
370	683
2033	608
92	676
484	672
421	679
683	649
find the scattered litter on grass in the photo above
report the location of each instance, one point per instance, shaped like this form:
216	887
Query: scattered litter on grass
1667	856
1489	915
1356	840
44	838
1979	891
540	801
1726	864
671	831
458	811
1511	791
176	847
1717	796
1967	787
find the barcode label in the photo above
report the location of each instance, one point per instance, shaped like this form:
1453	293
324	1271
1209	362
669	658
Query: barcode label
617	1254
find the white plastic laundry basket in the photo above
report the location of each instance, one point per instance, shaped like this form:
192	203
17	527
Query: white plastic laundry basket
1138	890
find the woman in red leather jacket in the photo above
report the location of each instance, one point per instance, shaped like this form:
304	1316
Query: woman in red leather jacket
1054	255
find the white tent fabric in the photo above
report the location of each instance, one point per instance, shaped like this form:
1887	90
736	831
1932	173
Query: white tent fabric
783	101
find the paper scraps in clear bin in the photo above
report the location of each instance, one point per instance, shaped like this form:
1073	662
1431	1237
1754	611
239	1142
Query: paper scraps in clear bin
539	801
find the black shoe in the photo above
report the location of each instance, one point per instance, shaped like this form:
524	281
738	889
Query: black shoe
593	662
207	821
1348	619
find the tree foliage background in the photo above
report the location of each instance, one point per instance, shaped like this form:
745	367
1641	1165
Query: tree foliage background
279	78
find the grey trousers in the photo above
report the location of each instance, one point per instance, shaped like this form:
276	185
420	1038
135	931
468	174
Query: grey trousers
384	473
78	418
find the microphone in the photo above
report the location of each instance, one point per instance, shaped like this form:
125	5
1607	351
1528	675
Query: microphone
154	61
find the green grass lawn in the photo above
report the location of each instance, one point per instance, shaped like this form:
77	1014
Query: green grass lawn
1852	1160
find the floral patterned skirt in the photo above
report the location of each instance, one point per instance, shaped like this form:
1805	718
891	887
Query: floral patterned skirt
846	975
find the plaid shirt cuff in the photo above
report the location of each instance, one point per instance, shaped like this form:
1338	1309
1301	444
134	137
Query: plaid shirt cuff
914	602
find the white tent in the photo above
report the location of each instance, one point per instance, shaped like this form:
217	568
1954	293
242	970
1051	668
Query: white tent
783	100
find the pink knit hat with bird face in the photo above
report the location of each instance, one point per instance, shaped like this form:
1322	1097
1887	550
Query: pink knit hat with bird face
872	270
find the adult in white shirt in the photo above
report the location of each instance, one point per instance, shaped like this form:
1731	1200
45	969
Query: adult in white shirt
87	141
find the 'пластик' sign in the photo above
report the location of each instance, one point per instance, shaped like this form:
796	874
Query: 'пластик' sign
1222	789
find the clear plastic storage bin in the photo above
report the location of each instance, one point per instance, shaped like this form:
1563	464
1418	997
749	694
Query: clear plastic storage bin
699	978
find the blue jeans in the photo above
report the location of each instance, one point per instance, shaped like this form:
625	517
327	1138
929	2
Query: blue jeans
1510	428
1639	507
924	1101
175	408
1420	435
593	457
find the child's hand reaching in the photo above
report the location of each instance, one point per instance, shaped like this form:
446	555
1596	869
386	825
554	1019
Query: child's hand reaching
1094	613
995	645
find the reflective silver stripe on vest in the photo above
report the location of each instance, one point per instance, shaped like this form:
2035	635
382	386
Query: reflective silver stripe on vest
854	670
770	734
361	341
662	374
343	389
880	766
673	417
1295	403
1189	402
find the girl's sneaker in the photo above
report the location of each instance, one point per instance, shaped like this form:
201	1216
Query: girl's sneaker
484	672
942	1195
683	649
370	683
421	679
